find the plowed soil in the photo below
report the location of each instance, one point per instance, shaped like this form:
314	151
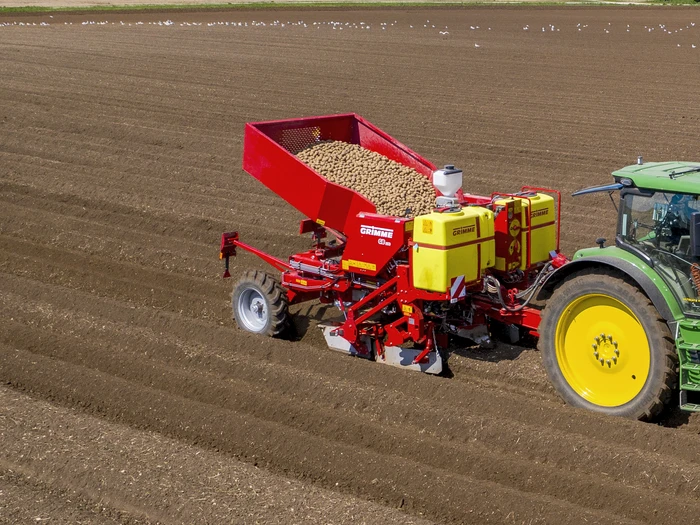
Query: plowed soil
130	396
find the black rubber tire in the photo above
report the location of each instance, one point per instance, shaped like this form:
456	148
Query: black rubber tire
662	378
276	303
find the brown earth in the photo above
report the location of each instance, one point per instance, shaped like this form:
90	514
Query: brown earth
120	152
249	3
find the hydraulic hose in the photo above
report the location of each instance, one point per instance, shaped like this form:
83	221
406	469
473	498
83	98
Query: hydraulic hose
493	287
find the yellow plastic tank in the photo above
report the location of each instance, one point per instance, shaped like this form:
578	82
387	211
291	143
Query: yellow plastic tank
544	227
448	245
543	232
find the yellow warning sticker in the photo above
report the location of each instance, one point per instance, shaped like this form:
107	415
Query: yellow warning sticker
302	282
359	264
407	309
320	221
514	247
514	228
428	226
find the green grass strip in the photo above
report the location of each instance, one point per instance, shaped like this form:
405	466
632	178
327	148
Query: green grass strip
258	6
246	6
675	2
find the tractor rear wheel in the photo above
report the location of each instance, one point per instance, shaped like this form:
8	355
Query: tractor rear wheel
260	304
606	348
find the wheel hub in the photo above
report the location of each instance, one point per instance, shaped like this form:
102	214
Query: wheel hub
252	312
605	350
593	335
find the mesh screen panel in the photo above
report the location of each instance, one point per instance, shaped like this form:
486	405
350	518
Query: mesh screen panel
295	140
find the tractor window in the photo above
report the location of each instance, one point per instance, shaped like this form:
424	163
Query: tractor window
658	224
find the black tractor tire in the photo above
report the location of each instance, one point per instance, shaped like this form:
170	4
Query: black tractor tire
569	333
260	304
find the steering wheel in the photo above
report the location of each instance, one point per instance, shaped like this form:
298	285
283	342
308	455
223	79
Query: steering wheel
673	220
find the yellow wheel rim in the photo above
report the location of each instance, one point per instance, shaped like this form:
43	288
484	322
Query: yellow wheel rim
602	350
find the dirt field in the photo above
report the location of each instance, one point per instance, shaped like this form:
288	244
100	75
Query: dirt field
131	397
254	3
101	3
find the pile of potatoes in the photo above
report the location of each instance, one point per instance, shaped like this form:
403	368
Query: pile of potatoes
392	187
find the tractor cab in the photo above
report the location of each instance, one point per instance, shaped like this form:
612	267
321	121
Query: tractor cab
659	222
657	226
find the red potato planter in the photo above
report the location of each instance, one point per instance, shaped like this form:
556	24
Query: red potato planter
402	284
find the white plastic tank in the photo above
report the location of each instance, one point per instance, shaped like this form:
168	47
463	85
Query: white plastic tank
447	181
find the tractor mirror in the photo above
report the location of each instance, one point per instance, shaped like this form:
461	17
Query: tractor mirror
695	234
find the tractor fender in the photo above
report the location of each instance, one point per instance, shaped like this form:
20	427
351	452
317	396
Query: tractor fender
648	286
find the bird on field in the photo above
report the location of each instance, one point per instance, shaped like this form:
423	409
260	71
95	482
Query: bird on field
477	45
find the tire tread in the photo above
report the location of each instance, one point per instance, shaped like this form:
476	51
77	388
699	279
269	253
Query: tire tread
275	295
635	296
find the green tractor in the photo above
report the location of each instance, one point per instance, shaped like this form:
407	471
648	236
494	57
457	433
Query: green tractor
620	333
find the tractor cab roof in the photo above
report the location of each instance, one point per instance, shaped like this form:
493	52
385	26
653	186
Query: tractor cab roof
676	177
672	177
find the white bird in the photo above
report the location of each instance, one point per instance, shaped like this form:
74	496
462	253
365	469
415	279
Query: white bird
477	45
